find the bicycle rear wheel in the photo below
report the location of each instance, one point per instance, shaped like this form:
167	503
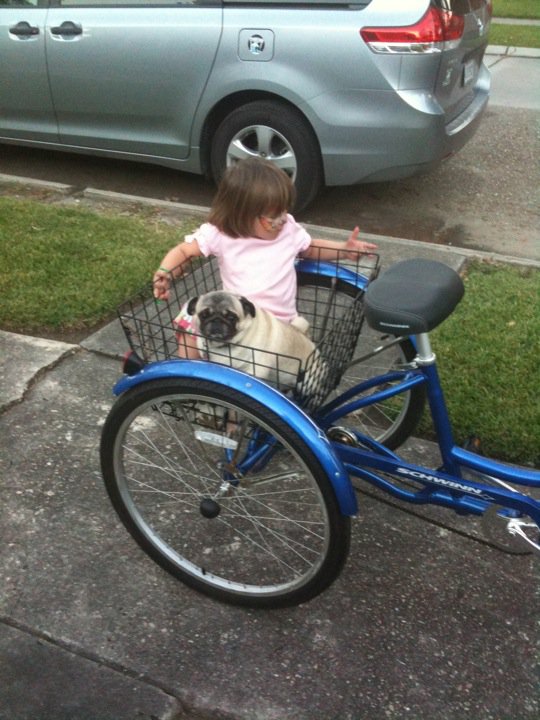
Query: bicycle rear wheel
391	421
223	493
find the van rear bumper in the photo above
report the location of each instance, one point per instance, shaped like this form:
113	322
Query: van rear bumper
362	149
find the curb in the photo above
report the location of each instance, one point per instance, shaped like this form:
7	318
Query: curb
511	51
514	21
199	210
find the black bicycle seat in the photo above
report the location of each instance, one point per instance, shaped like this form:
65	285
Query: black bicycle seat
412	296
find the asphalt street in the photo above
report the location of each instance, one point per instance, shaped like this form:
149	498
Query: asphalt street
484	198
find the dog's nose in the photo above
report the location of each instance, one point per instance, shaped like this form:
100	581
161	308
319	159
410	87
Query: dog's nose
217	329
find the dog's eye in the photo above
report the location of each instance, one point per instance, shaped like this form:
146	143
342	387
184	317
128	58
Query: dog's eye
204	314
233	317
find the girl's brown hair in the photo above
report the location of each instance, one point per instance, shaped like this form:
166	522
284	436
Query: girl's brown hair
249	189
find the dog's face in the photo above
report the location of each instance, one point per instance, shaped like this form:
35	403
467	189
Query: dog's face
221	316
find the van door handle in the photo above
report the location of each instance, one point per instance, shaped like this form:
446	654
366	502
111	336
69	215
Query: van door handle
67	29
24	29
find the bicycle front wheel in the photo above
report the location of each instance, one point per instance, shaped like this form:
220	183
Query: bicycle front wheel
223	493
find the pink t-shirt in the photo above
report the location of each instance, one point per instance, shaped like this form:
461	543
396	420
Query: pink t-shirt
261	270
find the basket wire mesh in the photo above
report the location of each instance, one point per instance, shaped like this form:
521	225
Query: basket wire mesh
327	298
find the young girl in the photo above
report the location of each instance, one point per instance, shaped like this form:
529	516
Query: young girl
255	241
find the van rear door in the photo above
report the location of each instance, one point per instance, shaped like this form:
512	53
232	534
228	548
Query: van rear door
467	29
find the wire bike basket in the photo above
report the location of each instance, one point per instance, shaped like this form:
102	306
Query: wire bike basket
329	297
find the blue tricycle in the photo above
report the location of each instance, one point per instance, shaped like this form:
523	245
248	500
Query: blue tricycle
244	489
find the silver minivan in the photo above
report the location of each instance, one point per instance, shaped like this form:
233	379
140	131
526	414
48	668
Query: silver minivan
334	92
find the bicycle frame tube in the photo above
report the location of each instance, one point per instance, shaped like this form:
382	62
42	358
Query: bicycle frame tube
454	457
339	407
439	488
445	486
441	420
495	469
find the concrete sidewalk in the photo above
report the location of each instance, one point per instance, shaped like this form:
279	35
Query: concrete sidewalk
426	622
515	76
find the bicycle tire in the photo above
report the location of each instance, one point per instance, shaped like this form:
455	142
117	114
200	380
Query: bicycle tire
267	536
389	422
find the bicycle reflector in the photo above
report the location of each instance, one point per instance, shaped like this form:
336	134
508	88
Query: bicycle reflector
132	363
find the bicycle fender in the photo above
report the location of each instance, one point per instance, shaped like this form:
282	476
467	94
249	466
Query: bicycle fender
331	270
312	435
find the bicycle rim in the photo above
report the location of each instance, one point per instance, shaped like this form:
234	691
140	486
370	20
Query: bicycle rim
220	494
393	420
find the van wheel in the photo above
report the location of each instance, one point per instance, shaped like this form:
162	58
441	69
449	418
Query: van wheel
274	131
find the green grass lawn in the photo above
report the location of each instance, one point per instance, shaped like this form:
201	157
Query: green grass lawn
515	35
65	269
489	352
523	9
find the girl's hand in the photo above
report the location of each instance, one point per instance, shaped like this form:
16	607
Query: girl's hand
162	283
353	243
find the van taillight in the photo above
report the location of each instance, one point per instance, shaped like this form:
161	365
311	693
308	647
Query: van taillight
437	30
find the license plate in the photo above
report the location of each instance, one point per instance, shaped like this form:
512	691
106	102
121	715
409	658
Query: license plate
469	72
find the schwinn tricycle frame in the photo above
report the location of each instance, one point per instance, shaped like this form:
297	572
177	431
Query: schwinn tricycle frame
263	489
445	487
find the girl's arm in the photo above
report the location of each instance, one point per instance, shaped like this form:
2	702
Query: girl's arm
321	249
171	267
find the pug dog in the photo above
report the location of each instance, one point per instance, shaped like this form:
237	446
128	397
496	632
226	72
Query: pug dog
232	331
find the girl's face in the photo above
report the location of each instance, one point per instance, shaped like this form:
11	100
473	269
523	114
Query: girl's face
269	226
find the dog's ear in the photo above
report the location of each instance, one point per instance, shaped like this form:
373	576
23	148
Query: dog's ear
248	307
191	306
